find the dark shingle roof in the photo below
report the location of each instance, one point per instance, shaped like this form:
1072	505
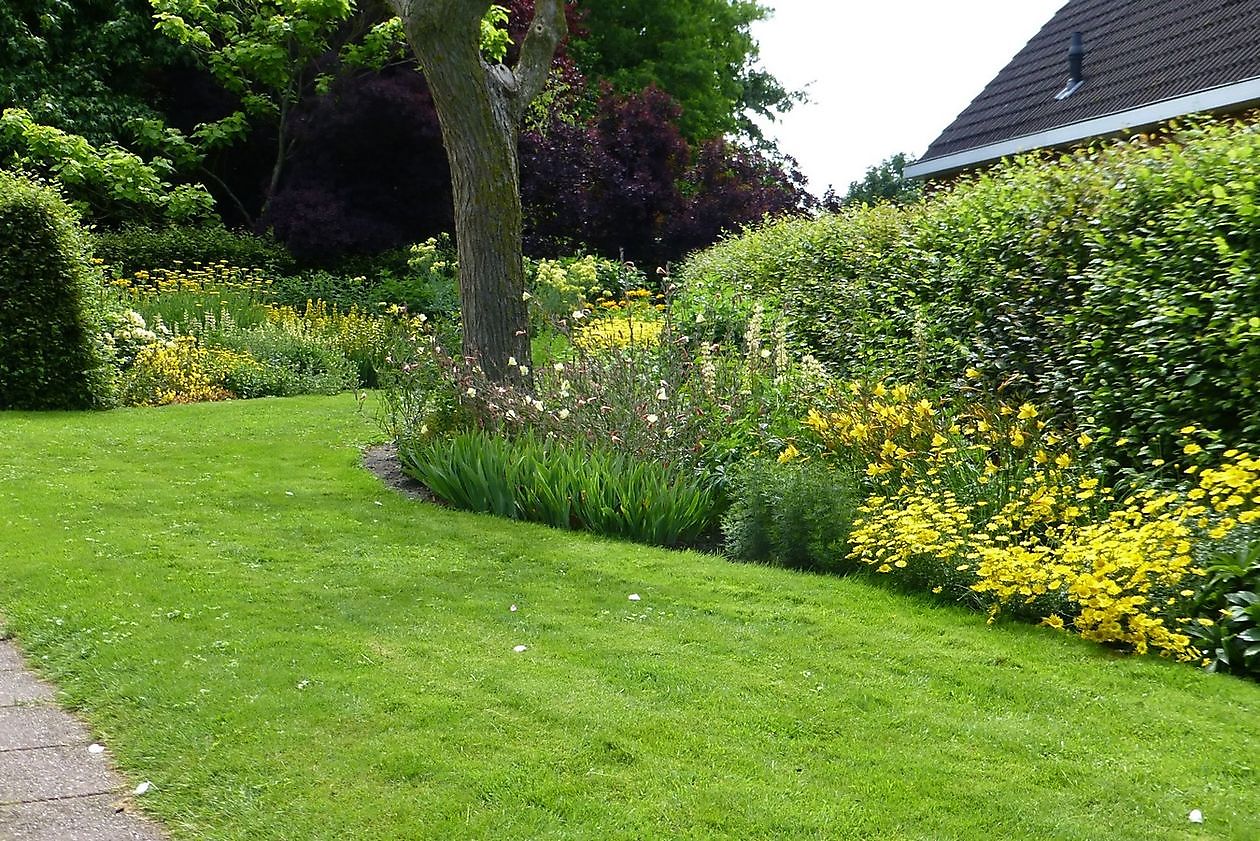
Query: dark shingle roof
1136	52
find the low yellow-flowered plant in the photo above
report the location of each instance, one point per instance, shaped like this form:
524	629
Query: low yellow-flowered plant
178	371
1001	509
612	333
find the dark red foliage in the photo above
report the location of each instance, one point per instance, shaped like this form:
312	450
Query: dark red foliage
731	186
369	172
628	185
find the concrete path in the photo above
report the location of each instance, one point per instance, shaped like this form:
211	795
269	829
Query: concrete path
52	788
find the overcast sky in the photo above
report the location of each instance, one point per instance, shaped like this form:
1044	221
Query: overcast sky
884	76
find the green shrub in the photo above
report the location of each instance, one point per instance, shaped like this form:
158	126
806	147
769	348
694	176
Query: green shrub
49	354
796	515
295	364
135	248
564	486
1230	606
1119	284
105	184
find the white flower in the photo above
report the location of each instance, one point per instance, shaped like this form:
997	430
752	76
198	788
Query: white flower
634	597
143	788
524	370
525	296
519	648
660	394
651	419
563	414
512	360
699	318
579	314
1196	816
513	608
471	392
559	366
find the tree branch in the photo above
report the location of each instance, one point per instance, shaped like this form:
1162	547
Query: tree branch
546	31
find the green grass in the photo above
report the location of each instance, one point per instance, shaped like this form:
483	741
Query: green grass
289	650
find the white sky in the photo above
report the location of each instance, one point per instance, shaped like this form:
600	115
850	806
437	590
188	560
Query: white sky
884	76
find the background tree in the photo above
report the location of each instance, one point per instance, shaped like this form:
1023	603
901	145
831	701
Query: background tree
90	68
701	52
883	182
264	53
481	107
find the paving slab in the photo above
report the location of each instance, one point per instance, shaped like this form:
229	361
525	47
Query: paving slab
54	773
22	687
23	728
94	818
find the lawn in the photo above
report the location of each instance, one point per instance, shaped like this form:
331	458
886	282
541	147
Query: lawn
289	650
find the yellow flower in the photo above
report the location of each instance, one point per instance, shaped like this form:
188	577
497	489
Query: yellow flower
789	454
1027	411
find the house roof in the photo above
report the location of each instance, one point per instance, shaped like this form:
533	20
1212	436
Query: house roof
1137	53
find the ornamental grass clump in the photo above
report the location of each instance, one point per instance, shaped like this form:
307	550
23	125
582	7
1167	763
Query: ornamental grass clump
545	481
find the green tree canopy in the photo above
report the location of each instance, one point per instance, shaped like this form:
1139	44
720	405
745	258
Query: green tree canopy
701	52
84	67
885	181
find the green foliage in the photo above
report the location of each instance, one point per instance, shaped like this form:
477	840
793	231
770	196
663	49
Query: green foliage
796	515
852	285
297	364
885	181
1229	605
49	356
107	183
85	67
701	52
133	248
558	287
600	490
1117	284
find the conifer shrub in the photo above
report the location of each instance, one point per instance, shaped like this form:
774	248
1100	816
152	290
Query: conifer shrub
49	355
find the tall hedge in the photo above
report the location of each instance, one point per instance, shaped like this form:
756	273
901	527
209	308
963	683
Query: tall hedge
48	352
1119	284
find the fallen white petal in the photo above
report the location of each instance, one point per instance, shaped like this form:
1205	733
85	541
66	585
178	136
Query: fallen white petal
1196	816
143	788
512	608
518	649
95	748
634	597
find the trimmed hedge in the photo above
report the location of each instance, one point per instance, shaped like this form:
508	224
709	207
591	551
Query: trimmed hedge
1118	285
49	357
136	248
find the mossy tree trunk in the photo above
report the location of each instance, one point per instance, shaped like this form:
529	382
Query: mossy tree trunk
480	107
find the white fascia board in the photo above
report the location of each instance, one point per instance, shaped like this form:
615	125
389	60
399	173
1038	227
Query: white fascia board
1212	99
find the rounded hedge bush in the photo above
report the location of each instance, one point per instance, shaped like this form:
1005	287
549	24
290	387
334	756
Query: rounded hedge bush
1117	285
49	356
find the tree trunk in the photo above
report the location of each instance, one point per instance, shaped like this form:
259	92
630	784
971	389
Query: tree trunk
481	145
480	109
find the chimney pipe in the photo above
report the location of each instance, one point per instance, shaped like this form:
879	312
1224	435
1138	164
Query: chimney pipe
1076	57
